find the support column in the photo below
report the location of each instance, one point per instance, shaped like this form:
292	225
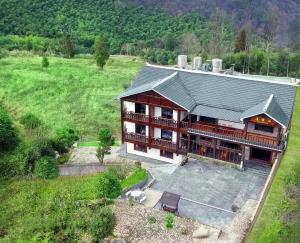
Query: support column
150	135
122	121
178	132
214	147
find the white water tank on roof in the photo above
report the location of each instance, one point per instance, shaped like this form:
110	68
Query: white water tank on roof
182	61
197	63
216	65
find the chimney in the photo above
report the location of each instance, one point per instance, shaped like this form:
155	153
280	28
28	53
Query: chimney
182	61
197	63
216	65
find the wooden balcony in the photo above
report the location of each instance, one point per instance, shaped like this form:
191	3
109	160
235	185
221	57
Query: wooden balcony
230	133
164	122
161	143
135	137
262	139
135	116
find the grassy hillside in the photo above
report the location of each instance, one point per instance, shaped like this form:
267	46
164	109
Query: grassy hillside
279	220
69	92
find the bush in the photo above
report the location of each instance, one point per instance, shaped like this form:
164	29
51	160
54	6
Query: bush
109	186
151	220
8	134
30	121
64	139
46	167
119	170
102	224
45	62
170	221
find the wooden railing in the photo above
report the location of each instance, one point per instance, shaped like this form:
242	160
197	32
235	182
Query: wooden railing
262	139
136	116
230	155
231	132
163	143
136	137
164	122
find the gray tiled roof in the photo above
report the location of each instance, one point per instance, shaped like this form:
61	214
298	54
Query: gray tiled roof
220	96
269	107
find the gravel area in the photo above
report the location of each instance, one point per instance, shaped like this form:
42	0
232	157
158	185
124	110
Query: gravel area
133	226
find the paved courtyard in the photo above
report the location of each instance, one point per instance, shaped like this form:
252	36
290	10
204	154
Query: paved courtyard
208	191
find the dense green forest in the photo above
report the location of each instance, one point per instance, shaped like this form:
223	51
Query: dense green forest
84	20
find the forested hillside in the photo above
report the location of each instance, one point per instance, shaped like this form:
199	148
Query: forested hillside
125	23
243	12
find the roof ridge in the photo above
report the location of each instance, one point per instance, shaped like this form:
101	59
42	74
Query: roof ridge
268	102
221	75
164	80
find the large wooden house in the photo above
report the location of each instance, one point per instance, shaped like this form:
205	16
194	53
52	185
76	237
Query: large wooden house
169	113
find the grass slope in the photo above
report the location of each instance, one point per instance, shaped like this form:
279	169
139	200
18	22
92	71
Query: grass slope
279	220
69	92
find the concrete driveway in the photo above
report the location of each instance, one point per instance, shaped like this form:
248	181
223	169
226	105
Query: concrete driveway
208	191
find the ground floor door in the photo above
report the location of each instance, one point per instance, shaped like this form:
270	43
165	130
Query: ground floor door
261	155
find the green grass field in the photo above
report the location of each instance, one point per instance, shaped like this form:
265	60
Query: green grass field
69	92
279	220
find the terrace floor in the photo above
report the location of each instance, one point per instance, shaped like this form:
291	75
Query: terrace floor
208	191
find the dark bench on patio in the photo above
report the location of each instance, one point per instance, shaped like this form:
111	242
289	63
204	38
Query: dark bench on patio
169	202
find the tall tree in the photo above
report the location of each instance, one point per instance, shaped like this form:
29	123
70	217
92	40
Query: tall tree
189	44
67	46
106	140
241	41
170	42
102	50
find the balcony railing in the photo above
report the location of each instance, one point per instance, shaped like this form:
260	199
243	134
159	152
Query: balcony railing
136	116
262	139
230	133
163	143
136	137
164	122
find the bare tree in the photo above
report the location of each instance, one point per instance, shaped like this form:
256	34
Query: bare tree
271	28
189	44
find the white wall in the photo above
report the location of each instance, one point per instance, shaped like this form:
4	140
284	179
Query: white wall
157	132
147	110
157	111
231	124
175	115
129	106
130	127
174	137
153	154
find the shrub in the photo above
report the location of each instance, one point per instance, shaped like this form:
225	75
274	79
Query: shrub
184	231
30	121
8	134
109	186
46	167
64	139
119	170
170	221
45	62
102	224
151	220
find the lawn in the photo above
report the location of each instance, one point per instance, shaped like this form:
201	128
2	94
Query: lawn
70	92
279	220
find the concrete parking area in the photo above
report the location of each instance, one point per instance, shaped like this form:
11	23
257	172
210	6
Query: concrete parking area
209	192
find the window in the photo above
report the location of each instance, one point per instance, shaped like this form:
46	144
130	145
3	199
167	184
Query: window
263	128
166	154
229	145
166	135
140	148
140	108
208	120
140	129
167	113
193	118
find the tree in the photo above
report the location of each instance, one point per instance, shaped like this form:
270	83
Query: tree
102	50
106	140
240	44
170	42
8	134
67	46
189	44
45	62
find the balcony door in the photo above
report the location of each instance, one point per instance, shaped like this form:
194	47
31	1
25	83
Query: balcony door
140	108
